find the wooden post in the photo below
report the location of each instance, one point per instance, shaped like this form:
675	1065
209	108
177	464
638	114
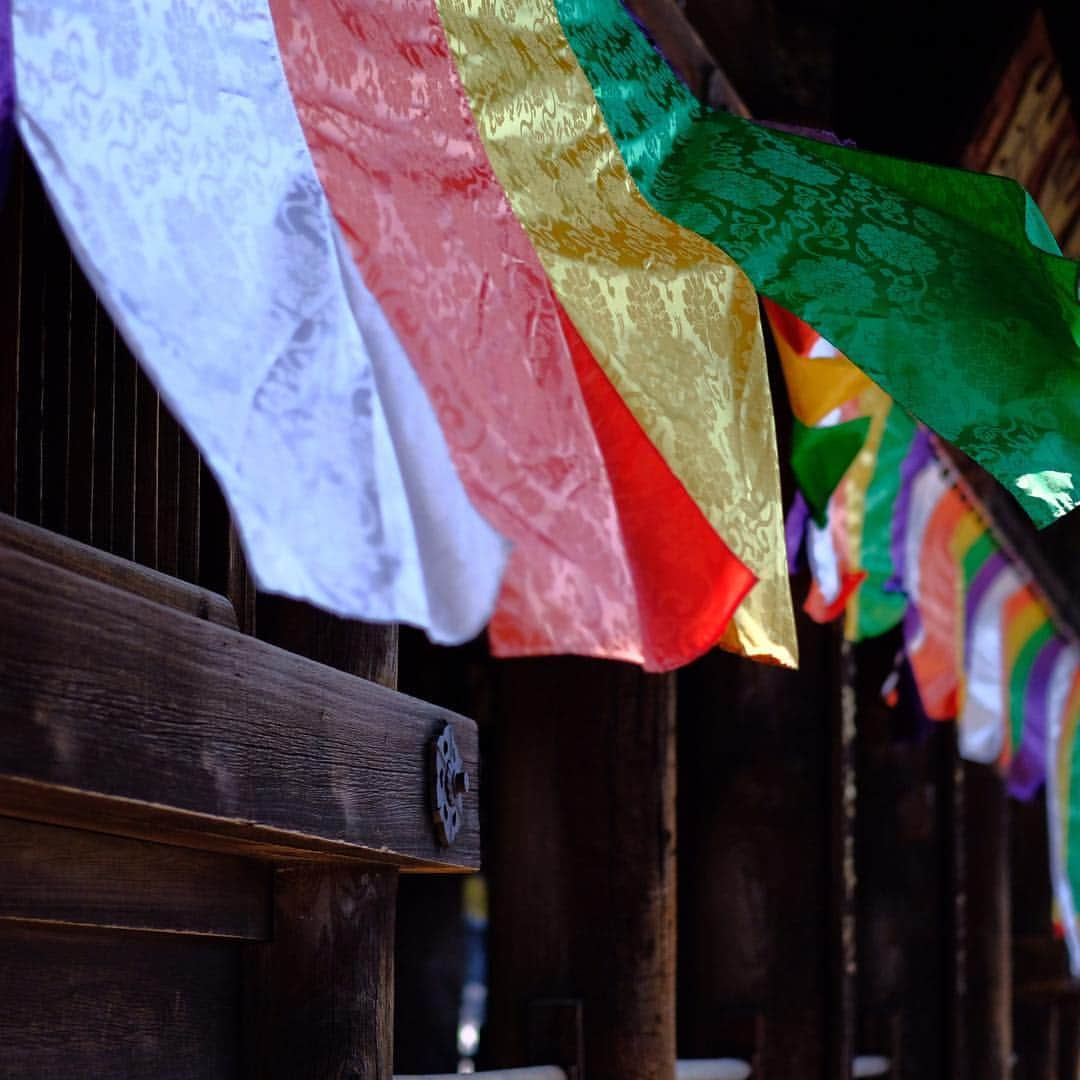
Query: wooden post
321	1000
320	994
580	838
758	914
989	960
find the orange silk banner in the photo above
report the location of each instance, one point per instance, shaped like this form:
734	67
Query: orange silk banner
935	653
594	568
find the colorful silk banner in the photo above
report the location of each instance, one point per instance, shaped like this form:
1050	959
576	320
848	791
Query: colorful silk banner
1027	771
671	320
877	471
931	280
1063	796
821	455
982	735
1026	629
858	560
600	567
930	581
169	145
818	377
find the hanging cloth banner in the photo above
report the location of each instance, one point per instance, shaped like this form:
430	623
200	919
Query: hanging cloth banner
671	320
821	455
930	628
818	377
184	185
1063	796
970	547
981	736
931	280
870	492
1026	629
599	568
1027	771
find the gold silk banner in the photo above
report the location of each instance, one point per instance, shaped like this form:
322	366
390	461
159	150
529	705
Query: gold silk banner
671	319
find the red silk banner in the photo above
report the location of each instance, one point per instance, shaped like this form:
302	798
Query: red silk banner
435	239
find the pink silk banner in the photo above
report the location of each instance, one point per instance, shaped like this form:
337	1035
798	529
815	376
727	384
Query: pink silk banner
438	245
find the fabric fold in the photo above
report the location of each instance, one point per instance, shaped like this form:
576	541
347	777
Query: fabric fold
672	321
197	215
982	735
932	280
820	456
438	244
819	377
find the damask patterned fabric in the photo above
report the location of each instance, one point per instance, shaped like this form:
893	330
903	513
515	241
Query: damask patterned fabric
945	287
818	376
671	320
625	568
169	144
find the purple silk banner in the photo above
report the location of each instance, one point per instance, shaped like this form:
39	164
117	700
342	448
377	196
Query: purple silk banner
920	454
7	91
1028	768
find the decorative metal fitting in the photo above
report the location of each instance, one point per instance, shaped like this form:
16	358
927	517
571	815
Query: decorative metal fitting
451	783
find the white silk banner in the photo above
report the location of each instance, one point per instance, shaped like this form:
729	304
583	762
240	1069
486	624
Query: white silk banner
981	731
167	139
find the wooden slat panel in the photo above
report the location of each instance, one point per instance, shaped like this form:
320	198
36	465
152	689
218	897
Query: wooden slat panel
124	450
31	341
56	373
53	874
82	374
103	466
156	723
123	574
139	1006
12	234
147	432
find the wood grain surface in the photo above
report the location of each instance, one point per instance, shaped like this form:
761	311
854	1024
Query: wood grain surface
134	718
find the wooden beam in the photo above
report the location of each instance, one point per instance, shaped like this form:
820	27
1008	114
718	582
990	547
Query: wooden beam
73	877
125	716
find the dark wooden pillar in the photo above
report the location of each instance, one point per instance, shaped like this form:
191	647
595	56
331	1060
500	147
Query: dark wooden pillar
989	960
580	848
321	991
761	972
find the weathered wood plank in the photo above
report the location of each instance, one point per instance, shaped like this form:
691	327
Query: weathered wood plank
320	995
139	1006
52	874
88	562
123	714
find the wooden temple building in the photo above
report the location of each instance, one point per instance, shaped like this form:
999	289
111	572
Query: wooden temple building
234	830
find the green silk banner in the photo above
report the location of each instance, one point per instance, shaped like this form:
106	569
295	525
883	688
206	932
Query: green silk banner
946	287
